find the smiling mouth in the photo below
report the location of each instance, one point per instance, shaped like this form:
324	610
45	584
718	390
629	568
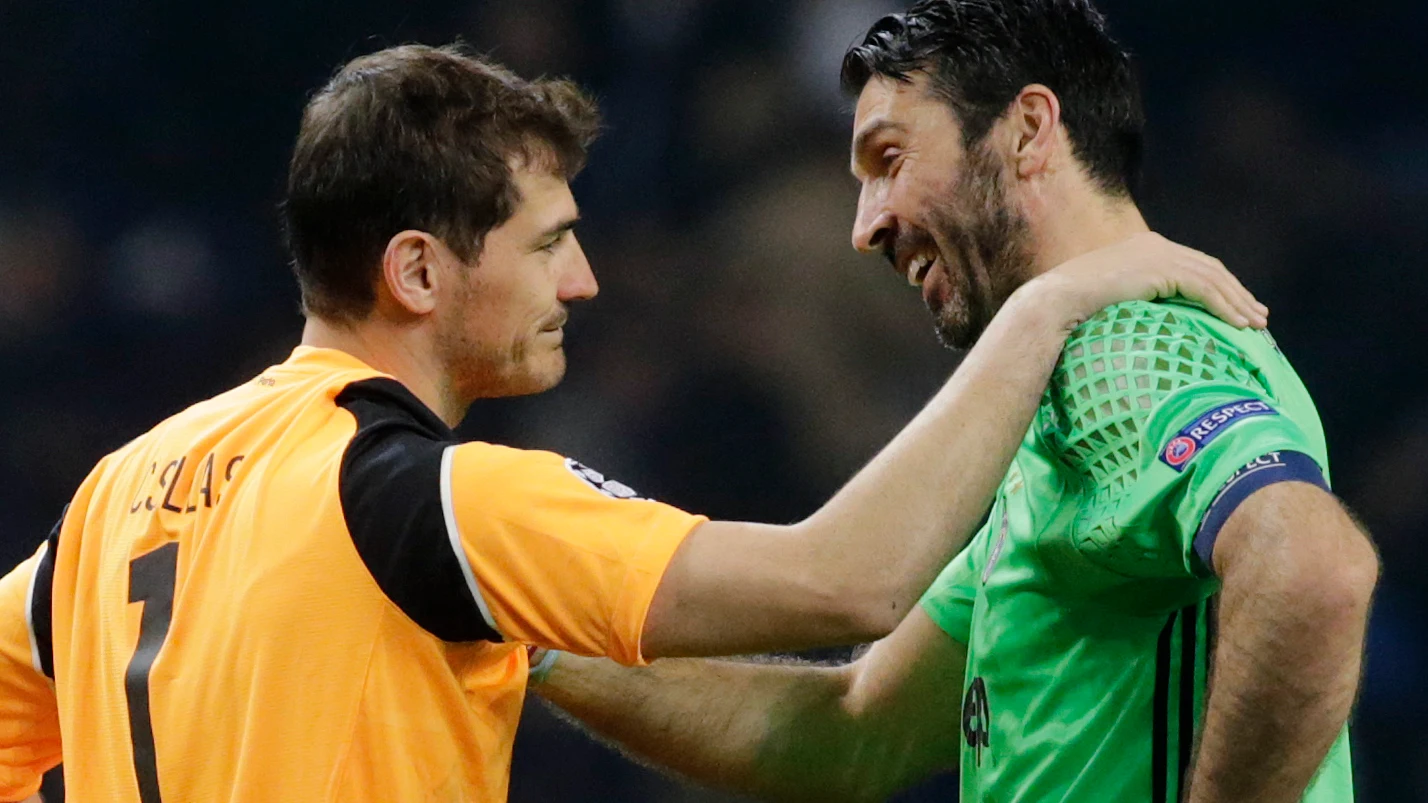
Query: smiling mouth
557	323
912	254
918	267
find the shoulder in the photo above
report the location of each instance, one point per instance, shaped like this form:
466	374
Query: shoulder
1117	368
381	401
395	492
1172	343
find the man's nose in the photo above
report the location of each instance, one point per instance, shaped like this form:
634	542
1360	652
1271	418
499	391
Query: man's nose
578	283
873	221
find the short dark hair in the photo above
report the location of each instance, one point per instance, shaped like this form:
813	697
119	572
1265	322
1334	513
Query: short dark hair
416	137
978	54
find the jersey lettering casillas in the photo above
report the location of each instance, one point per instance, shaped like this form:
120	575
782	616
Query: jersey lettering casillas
1086	600
306	589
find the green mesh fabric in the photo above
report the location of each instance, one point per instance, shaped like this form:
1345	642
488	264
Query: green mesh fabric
1115	369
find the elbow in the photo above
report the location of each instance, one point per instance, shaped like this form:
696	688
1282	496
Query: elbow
857	611
869	613
882	600
1301	547
852	605
1349	583
1338	581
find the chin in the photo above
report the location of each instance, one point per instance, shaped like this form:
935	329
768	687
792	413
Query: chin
956	329
556	371
543	377
522	380
959	339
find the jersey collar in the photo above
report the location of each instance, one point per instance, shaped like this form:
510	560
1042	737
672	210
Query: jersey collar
317	358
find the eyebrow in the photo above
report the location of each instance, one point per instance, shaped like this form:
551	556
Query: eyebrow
860	142
558	229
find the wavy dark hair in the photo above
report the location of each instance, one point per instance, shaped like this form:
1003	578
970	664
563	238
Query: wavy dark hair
978	54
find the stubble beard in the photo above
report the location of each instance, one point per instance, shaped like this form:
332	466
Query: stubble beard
992	243
471	369
476	370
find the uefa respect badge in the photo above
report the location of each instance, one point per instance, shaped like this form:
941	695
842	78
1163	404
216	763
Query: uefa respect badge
1189	441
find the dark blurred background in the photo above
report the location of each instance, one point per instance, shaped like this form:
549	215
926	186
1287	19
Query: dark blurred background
741	360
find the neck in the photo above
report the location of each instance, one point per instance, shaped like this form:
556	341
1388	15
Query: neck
396	350
1071	223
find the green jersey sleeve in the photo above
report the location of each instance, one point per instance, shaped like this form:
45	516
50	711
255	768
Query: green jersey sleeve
1168	419
949	601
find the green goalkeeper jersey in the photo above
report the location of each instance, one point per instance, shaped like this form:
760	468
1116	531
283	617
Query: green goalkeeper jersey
1086	601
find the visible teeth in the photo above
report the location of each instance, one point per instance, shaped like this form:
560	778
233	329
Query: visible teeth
916	268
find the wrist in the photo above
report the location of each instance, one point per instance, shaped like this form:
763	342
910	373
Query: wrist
1048	303
542	661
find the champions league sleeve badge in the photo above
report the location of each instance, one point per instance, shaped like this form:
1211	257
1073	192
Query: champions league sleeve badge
1189	441
611	488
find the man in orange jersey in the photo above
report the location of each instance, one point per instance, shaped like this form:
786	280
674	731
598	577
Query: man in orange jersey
306	589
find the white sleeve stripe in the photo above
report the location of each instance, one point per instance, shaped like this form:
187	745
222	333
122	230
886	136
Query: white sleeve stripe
448	509
30	610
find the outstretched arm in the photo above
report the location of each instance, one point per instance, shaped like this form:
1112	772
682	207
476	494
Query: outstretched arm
783	732
851	572
1298	576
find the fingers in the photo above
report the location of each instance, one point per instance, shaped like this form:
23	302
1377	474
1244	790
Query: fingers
1237	297
1224	309
1149	266
1206	280
1209	284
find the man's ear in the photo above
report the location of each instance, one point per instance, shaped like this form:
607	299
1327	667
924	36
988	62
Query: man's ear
1034	122
409	270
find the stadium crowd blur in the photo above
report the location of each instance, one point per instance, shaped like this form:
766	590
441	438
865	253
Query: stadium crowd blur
741	360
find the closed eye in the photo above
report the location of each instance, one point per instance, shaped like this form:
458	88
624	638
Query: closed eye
551	238
554	242
892	160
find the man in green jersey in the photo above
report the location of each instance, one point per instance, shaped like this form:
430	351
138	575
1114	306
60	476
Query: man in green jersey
1165	603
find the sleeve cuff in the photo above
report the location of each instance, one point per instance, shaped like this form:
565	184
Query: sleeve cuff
957	624
1268	469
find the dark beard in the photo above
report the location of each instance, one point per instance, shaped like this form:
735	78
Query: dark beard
991	242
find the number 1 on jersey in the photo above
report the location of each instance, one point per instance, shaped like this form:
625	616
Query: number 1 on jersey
151	581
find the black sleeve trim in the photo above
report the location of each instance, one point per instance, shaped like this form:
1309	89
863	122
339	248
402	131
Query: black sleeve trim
41	602
390	488
1258	473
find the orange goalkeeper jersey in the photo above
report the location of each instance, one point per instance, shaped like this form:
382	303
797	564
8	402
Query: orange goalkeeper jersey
305	589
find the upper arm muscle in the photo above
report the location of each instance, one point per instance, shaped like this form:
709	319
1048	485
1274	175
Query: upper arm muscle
1291	524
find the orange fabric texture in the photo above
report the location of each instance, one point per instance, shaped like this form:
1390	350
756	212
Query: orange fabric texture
613	552
29	719
284	672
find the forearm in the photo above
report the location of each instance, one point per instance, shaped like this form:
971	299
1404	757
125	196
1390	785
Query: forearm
851	572
900	519
777	732
1287	665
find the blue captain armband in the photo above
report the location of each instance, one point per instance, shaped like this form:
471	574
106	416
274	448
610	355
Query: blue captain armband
1282	466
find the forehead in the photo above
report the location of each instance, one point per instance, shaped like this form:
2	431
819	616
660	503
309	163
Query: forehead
881	97
908	107
545	197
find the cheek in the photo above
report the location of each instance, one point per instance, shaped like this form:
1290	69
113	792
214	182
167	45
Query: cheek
473	324
489	306
924	197
501	312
